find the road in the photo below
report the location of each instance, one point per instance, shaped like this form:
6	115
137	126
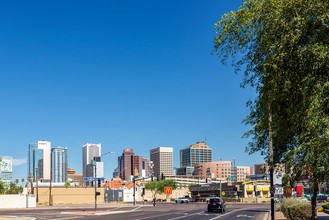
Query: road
163	211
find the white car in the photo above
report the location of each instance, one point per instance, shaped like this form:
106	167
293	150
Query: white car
181	200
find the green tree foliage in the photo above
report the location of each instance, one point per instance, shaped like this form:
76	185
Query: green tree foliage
157	187
14	189
283	46
67	184
2	187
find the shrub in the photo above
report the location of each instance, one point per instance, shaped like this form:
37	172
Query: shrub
301	211
293	208
325	205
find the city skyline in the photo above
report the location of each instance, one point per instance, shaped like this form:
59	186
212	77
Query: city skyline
124	75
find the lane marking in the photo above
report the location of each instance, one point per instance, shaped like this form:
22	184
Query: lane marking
185	215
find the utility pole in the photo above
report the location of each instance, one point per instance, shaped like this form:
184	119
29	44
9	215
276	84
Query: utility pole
94	163
36	180
270	134
51	179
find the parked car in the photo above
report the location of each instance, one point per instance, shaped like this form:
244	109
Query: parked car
181	200
216	203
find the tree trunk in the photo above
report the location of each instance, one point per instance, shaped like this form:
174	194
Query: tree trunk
313	201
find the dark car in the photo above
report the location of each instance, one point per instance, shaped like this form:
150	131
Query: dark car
216	203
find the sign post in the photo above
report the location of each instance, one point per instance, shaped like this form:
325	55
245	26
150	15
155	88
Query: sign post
167	190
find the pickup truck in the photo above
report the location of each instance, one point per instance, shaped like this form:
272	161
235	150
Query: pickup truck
181	200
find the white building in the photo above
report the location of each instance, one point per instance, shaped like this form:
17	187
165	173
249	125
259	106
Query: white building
39	160
6	169
162	158
89	151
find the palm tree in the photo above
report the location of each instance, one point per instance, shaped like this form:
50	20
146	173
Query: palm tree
23	180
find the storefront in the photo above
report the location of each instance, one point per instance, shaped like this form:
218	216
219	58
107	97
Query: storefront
259	188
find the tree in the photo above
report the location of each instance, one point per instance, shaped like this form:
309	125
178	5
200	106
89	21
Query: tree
2	187
157	187
14	189
67	184
283	46
23	180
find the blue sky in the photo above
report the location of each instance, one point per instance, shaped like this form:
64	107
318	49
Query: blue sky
135	74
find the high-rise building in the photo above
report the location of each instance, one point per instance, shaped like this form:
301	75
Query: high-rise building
59	164
162	158
6	169
193	154
39	160
125	164
89	151
130	165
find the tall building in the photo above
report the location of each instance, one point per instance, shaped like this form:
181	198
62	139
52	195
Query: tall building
125	163
193	154
38	165
59	164
89	151
130	164
6	169
162	158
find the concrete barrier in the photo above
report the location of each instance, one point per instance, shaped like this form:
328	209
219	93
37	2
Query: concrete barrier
17	201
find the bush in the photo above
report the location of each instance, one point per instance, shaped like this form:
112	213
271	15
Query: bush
295	209
325	205
300	211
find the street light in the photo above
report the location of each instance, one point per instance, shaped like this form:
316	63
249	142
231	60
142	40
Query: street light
95	176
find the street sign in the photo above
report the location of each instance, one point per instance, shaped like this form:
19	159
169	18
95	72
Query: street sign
93	179
223	193
278	190
167	190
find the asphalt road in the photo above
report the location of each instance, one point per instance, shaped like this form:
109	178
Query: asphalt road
162	211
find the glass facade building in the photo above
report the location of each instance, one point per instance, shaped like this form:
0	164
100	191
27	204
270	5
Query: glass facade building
59	164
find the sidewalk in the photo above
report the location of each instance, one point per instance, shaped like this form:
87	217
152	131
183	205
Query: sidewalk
321	216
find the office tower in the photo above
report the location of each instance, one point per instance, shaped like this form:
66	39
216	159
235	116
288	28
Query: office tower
39	160
125	164
130	165
59	164
6	169
140	165
193	154
162	158
89	151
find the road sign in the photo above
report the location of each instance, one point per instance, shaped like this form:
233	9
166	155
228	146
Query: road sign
93	179
223	193
88	179
278	190
167	190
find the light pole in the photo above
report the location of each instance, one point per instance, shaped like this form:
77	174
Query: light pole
95	176
36	180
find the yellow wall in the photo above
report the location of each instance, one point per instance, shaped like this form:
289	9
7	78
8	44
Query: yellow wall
79	195
69	195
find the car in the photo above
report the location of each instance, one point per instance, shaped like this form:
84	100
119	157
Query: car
210	196
216	203
181	200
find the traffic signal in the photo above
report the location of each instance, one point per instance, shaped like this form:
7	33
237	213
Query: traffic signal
235	188
92	183
162	176
151	178
99	182
98	193
143	191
